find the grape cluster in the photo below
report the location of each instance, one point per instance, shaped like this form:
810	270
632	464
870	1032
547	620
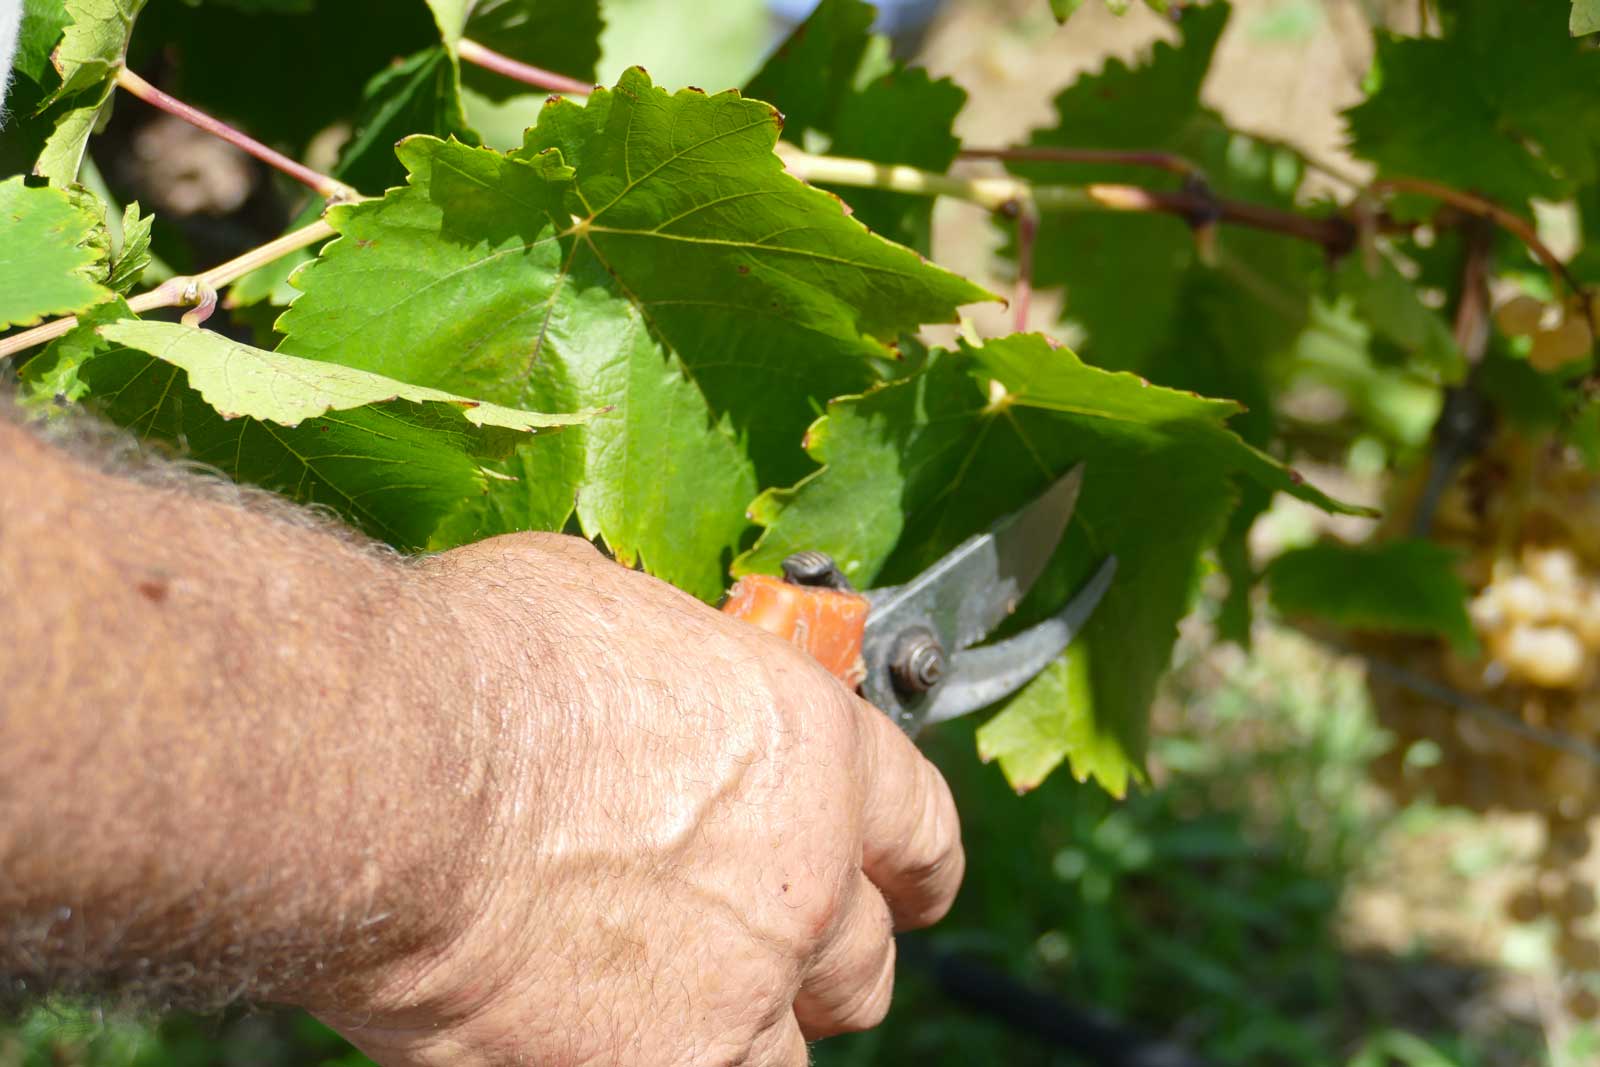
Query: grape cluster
1561	333
1525	517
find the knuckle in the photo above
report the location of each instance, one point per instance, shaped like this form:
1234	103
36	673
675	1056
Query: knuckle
870	1004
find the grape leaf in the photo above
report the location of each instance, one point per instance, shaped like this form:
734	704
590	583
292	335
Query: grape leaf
1051	721
558	35
92	50
418	94
451	17
237	380
1133	282
94	44
1387	302
42	24
1063	9
1585	17
1396	587
906	117
900	116
52	254
645	250
73	121
1137	285
273	7
336	49
714	243
50	379
1505	104
128	265
914	466
394	469
810	74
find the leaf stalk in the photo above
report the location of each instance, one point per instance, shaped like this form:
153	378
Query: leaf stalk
331	189
516	70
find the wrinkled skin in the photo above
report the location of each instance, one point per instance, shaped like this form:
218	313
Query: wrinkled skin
704	843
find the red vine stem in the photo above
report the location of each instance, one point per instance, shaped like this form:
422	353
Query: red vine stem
175	292
489	59
1199	208
331	189
1472	204
1167	161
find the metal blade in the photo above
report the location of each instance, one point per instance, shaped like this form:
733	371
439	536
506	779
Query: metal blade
978	583
980	676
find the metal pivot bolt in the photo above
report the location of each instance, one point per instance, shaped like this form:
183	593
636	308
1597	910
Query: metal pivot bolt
816	569
918	661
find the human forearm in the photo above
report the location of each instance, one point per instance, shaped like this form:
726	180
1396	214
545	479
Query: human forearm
509	804
225	764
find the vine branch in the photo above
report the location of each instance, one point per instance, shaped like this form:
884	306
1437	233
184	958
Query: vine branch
177	292
1472	204
516	70
1196	206
331	189
1167	161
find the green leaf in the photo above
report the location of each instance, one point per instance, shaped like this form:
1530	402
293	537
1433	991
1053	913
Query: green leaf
1387	302
239	380
128	265
451	16
914	466
1585	17
648	252
51	378
1135	283
906	117
557	35
899	116
1506	104
94	44
810	74
42	24
270	7
1397	587
1063	9
333	52
418	94
1137	287
1051	720
394	469
75	120
52	254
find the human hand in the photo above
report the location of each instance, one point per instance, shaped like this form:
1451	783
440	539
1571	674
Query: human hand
701	846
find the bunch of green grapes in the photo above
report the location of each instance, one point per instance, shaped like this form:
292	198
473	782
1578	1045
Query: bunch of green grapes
1525	516
1559	333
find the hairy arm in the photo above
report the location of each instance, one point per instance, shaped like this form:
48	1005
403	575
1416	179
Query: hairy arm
198	698
507	804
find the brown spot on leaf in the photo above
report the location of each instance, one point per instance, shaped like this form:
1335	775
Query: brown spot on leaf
153	589
744	268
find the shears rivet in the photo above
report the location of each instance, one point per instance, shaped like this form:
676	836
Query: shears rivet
918	661
815	569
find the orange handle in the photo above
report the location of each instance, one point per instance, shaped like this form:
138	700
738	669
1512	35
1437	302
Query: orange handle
824	622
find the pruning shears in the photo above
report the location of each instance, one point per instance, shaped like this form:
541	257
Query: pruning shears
913	649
